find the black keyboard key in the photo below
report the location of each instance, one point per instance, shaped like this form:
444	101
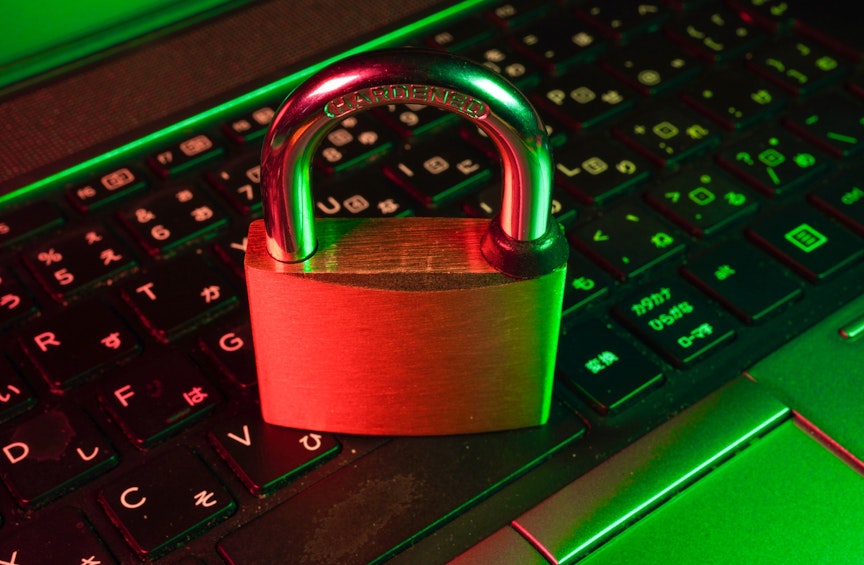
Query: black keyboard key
459	34
668	135
606	370
735	99
487	204
51	453
447	474
773	15
715	32
652	65
158	398
599	170
507	62
411	120
232	350
585	99
743	279
240	182
439	173
31	219
555	43
516	12
172	218
356	140
623	20
108	188
175	296
365	194
628	240
677	321
808	242
584	285
16	302
231	248
15	395
79	261
250	126
75	343
703	201
166	502
264	456
843	198
833	122
60	536
798	64
184	155
774	161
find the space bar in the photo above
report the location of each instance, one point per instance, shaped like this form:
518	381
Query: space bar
374	508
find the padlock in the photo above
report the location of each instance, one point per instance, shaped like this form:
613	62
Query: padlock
406	326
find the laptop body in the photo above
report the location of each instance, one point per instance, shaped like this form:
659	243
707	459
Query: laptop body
586	485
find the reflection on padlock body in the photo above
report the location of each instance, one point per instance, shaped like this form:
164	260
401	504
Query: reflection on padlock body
405	326
351	347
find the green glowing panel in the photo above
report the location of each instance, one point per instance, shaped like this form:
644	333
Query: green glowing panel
586	514
785	499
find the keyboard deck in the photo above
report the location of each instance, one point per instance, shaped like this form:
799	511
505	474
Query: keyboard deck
705	176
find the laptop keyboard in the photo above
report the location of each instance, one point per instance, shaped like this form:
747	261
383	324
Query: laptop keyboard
705	177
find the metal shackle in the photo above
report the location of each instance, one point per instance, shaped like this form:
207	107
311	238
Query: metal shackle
412	76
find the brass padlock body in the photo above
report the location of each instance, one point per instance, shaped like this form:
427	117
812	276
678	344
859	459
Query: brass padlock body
420	336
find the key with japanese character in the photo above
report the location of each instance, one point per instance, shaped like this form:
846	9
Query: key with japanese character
76	343
175	296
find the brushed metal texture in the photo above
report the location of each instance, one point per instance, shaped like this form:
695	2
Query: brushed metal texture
399	327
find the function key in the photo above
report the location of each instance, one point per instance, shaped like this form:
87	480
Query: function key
668	135
166	502
79	261
240	182
609	372
598	171
735	99
715	33
843	198
439	172
833	122
60	536
175	296
29	220
158	398
702	202
623	20
251	126
172	218
808	242
76	342
652	65
184	155
265	456
744	280
555	43
459	34
105	189
585	99
677	321
798	64
628	240
517	12
773	160
16	303
50	453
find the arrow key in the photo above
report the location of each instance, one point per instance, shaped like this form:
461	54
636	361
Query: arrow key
264	456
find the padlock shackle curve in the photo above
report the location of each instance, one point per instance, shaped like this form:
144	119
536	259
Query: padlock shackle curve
393	76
